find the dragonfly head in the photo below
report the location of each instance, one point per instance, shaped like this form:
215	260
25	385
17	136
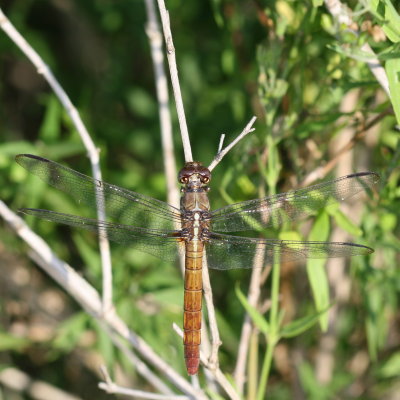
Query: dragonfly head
194	175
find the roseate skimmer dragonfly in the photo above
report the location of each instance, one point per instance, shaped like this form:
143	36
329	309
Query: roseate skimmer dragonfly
162	230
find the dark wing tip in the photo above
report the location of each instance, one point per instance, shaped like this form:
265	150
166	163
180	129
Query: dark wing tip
374	175
20	157
363	250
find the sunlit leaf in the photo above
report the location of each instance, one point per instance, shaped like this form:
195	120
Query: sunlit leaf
255	315
300	325
392	68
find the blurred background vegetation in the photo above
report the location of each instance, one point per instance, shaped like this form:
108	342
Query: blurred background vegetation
290	64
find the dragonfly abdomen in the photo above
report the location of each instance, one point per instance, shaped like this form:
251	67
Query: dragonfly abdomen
192	305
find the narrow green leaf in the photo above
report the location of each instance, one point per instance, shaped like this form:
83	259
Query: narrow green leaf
50	128
391	368
317	3
10	342
300	325
345	223
255	315
70	332
393	73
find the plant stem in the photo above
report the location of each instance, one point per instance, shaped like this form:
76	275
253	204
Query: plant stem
265	370
252	384
273	337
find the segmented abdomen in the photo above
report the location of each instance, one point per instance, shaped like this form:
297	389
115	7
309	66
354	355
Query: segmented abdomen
192	305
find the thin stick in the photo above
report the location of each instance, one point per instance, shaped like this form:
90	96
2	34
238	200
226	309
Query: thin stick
175	80
341	14
89	299
110	387
221	154
93	152
221	143
212	320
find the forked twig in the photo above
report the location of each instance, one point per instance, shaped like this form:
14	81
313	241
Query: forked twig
93	153
221	153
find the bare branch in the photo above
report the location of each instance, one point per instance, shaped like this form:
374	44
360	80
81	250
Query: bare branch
221	154
93	152
175	80
215	338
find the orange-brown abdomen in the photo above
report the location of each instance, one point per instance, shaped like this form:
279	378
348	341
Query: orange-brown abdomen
192	305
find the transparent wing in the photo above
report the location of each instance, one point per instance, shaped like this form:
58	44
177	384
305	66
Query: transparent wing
273	211
229	252
124	206
162	244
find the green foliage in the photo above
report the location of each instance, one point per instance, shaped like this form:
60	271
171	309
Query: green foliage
12	342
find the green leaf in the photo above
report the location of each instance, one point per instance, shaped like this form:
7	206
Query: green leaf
300	325
321	228
255	315
10	342
388	17
50	128
391	368
11	149
392	68
289	235
141	103
345	223
70	332
317	3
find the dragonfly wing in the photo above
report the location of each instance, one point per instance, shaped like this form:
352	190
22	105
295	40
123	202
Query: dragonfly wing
159	243
122	205
273	211
229	252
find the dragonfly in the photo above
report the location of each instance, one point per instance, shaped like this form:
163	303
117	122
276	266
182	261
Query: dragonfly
163	230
